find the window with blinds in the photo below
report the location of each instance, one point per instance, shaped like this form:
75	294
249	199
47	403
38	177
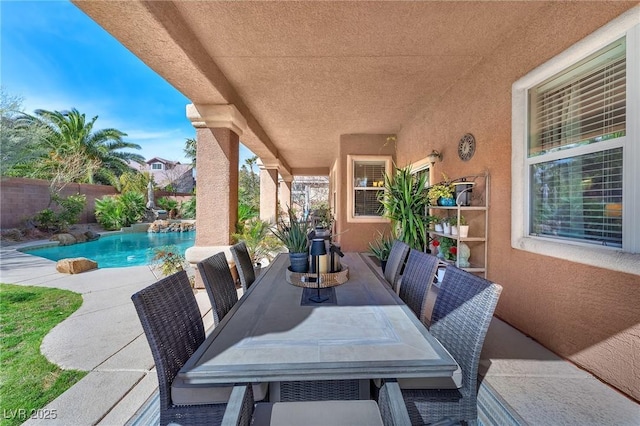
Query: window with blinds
575	167
365	177
583	105
368	186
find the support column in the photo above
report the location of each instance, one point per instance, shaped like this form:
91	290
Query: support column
285	193
268	194
217	186
218	130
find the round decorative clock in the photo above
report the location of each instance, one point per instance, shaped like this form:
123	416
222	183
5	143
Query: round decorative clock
466	147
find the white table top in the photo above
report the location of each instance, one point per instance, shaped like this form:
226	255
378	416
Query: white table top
269	336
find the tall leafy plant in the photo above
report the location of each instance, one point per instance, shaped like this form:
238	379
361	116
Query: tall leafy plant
294	233
404	201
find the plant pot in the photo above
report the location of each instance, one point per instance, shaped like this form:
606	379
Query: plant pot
438	227
447	228
454	230
446	202
464	231
299	262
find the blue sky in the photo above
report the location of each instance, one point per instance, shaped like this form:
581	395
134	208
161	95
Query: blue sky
55	57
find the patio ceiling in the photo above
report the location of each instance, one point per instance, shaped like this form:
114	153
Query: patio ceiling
304	73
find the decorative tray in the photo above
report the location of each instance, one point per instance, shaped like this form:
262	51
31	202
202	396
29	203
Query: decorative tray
329	279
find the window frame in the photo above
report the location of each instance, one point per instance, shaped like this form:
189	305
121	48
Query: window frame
626	259
153	166
351	160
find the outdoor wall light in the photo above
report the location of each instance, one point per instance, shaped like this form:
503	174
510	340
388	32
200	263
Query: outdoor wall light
434	157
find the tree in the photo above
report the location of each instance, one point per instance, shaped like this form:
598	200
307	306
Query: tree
249	185
19	144
190	149
69	134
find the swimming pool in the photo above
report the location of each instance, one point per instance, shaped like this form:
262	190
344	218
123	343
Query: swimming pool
119	250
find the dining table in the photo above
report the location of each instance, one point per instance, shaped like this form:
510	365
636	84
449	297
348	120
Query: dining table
274	333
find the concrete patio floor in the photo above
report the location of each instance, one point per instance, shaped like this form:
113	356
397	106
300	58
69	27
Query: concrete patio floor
523	382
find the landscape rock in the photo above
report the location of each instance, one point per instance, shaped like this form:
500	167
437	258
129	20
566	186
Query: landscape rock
64	239
75	265
92	235
79	236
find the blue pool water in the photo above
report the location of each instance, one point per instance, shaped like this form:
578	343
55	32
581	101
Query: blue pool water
121	250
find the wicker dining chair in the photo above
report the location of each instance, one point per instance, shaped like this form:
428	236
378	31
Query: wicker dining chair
416	280
243	264
171	321
395	263
219	284
461	316
389	410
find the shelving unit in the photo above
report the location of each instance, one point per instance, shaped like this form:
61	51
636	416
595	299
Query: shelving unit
478	218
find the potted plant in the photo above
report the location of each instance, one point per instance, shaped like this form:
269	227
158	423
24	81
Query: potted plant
381	248
441	194
463	230
293	235
453	222
404	204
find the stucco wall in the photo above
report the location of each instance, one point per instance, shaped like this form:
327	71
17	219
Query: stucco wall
356	236
22	198
587	314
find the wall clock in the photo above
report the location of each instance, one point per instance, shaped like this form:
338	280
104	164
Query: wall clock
466	147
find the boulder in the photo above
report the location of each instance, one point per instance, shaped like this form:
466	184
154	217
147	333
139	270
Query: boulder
75	265
92	235
64	239
79	236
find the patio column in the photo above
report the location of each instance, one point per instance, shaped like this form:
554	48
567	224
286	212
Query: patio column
218	130
285	193
268	193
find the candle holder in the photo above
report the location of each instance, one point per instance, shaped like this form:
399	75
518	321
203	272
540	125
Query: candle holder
318	249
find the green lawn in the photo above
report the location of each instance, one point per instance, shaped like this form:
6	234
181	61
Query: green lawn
27	380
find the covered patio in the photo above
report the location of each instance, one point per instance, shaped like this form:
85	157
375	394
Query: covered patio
308	86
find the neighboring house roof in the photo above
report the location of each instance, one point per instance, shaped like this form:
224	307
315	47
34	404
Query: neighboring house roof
181	175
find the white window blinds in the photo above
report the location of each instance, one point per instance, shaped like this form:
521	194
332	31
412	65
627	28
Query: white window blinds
575	179
585	104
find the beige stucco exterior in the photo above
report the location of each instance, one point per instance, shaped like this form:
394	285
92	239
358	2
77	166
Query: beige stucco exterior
317	81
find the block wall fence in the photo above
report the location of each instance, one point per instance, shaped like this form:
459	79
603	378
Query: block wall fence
21	198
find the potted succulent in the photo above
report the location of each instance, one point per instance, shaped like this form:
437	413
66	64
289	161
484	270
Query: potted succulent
381	248
293	235
463	229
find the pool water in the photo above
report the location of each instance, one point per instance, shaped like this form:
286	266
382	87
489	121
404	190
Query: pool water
121	250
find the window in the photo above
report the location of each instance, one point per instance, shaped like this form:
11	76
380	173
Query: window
571	189
156	166
574	194
365	176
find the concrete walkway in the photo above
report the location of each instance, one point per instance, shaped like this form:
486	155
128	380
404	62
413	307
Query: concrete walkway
103	337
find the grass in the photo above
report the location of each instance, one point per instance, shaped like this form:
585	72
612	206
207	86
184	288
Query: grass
27	380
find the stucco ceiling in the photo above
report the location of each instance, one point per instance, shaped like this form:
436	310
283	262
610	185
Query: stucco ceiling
304	73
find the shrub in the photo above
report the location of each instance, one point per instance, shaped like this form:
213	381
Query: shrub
109	213
70	209
188	208
114	212
133	207
166	203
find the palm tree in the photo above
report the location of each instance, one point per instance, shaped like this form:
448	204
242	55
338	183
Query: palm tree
190	149
69	134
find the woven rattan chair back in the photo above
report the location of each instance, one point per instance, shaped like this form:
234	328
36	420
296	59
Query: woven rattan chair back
171	321
395	263
219	284
416	280
461	316
243	264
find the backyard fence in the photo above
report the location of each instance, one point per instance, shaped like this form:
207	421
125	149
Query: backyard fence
22	198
